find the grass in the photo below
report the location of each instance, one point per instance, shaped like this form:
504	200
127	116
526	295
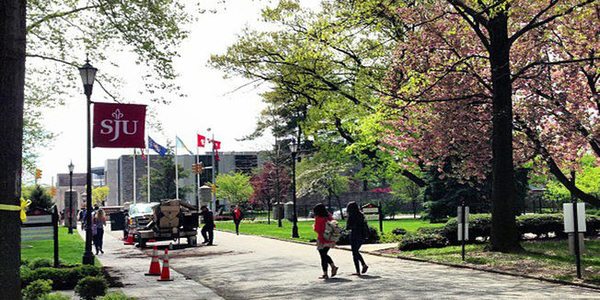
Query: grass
70	248
548	259
305	230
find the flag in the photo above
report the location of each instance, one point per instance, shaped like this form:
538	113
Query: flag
201	141
217	158
216	145
179	144
162	151
119	125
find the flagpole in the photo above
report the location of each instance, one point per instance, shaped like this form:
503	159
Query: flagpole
134	187
197	177
176	171
213	194
148	169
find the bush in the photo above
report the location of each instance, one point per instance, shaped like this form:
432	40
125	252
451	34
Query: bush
62	278
37	263
480	225
416	241
399	231
372	237
540	224
37	289
116	296
388	237
56	296
91	287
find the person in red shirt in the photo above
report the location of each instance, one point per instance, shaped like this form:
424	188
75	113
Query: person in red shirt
322	216
237	218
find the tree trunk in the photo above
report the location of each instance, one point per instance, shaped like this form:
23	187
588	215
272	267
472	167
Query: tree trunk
504	236
12	83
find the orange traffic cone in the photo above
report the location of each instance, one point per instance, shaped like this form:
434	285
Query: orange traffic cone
165	275
154	264
129	240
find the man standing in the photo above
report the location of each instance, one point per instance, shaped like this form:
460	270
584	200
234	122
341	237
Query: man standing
237	218
209	225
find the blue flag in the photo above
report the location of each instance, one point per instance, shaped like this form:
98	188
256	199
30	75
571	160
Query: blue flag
162	151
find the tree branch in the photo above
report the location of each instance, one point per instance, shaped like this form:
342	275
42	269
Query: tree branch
58	15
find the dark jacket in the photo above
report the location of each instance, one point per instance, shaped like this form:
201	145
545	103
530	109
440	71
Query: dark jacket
358	227
207	218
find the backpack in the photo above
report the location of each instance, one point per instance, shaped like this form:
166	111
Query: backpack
333	231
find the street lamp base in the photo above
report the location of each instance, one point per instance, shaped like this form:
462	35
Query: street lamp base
295	232
70	230
88	258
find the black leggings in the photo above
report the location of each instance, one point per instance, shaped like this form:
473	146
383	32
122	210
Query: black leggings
356	256
325	258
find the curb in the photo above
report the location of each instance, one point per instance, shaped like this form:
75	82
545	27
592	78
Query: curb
555	281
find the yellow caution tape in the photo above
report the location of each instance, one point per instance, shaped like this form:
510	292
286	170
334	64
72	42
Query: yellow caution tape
22	208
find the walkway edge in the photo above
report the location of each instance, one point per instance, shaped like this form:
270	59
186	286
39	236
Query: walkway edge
555	281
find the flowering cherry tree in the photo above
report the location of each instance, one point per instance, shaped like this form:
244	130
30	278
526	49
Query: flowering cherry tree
489	84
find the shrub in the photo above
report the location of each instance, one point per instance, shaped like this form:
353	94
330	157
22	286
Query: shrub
116	296
25	273
56	296
416	241
37	289
37	263
480	225
62	278
91	287
388	237
540	224
399	231
372	237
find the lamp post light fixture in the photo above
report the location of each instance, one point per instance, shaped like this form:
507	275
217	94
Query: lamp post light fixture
294	151
71	168
88	75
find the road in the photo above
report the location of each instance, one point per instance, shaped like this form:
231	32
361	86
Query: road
250	267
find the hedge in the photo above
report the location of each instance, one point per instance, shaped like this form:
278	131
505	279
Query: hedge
62	278
417	240
372	238
480	226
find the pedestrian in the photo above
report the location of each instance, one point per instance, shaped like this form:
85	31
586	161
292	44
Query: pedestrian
359	231
98	222
82	218
237	218
209	225
322	216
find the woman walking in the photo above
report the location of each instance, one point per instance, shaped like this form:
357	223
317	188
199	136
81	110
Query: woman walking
358	234
237	215
98	222
322	216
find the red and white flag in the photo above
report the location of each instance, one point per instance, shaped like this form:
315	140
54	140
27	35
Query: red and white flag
201	141
216	145
119	125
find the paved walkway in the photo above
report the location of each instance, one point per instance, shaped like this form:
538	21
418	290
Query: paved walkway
250	267
129	264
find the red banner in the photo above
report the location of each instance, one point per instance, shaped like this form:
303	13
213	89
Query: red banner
201	140
119	125
216	145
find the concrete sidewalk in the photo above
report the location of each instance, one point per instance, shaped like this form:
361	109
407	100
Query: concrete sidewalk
129	264
251	267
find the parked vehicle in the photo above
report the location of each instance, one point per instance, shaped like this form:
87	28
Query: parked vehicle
170	220
138	216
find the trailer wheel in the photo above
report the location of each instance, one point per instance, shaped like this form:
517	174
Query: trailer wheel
192	241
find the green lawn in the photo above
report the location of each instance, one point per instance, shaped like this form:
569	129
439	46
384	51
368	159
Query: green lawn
70	249
548	259
305	229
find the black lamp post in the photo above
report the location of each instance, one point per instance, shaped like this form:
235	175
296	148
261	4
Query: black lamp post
294	150
88	75
71	168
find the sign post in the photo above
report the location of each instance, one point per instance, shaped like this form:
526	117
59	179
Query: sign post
575	226
462	218
373	212
42	227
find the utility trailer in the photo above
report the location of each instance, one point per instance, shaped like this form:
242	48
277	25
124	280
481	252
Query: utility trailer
172	220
